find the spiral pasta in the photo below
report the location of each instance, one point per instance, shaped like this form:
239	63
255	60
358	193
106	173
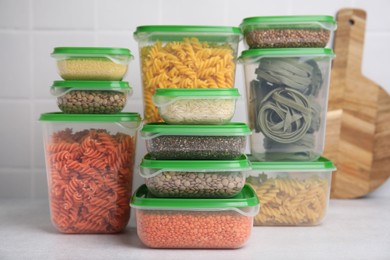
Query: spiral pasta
291	201
90	179
185	64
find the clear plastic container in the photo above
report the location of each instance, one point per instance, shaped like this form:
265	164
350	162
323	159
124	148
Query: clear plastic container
287	91
91	97
89	164
288	31
196	106
92	63
195	142
195	223
291	193
194	178
185	57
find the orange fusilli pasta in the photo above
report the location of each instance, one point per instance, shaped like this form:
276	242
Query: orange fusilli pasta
185	64
90	179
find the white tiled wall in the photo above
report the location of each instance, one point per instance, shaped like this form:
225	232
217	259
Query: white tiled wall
29	29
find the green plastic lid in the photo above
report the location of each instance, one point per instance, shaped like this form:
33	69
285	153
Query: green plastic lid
196	92
246	202
253	55
325	21
91	51
120	117
151	167
321	164
61	87
153	130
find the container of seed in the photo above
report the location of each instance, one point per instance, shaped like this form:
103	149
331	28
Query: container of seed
182	56
288	31
194	223
195	142
291	193
92	63
196	106
91	97
195	178
287	91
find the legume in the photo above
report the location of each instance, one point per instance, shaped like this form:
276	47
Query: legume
194	184
196	147
193	229
92	102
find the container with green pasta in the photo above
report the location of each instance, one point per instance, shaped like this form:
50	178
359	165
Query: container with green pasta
287	92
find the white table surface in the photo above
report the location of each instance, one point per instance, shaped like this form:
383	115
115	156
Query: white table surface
353	229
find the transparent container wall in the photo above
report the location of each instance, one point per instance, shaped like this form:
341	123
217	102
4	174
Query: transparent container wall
198	111
92	101
110	67
291	198
185	61
197	147
297	35
89	170
196	184
287	105
193	229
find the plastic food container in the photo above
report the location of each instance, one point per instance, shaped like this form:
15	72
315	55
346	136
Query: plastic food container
89	164
185	57
194	178
288	31
194	223
195	142
196	106
91	97
92	63
292	193
287	92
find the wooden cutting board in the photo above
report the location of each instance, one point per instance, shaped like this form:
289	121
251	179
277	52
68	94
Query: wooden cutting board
358	121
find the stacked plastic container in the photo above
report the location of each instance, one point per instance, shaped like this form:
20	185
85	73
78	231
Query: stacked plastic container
195	170
90	146
287	70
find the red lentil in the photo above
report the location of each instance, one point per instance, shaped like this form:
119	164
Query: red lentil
193	229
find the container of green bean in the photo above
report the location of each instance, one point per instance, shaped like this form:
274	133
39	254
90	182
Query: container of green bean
287	92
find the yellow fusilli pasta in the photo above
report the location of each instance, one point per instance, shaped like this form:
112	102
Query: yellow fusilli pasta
184	64
291	201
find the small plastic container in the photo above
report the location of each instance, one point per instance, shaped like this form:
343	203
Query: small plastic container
91	97
291	193
288	31
195	223
196	106
287	91
195	142
92	63
89	164
194	178
182	56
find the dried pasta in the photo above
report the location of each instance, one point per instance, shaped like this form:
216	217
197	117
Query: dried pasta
185	64
90	179
291	201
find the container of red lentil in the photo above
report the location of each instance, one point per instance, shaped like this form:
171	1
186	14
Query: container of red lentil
195	178
92	63
194	223
306	31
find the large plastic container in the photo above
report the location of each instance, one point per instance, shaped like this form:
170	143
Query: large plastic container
195	142
92	63
287	91
196	106
89	164
194	223
291	193
91	97
185	57
194	178
306	31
